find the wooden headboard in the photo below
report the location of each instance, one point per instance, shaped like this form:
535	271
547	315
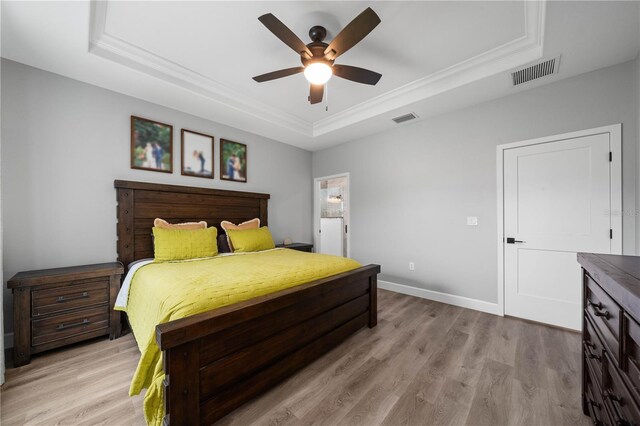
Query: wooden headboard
139	203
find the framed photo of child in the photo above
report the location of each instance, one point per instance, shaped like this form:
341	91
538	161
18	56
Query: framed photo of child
197	154
233	161
151	145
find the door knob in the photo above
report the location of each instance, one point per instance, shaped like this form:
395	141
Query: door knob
511	240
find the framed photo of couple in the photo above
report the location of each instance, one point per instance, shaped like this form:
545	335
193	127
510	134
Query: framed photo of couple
151	145
233	161
197	154
152	149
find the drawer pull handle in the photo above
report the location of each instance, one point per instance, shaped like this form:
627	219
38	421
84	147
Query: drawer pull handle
595	406
604	314
66	299
594	305
597	310
75	324
594	356
612	396
615	401
591	355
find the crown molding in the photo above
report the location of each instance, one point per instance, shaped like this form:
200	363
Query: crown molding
515	53
510	55
105	45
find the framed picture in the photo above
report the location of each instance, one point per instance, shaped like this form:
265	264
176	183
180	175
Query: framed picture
233	161
151	145
197	154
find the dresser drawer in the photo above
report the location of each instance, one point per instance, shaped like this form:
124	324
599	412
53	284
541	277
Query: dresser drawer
631	354
605	314
616	397
59	327
595	405
69	296
593	350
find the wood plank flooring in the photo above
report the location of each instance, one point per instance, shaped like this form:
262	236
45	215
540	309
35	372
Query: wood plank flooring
426	363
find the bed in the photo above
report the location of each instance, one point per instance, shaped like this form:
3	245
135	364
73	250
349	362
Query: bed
216	360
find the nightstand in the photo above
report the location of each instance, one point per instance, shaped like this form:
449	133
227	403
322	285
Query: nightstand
298	246
57	307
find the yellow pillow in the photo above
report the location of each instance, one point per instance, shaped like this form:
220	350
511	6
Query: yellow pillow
250	224
249	240
182	244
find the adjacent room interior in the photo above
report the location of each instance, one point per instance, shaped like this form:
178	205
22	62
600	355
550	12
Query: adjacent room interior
328	213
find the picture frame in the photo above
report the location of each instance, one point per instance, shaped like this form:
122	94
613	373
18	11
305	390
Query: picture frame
233	161
151	145
197	153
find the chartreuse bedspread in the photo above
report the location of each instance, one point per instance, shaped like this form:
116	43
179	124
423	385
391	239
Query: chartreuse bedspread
162	292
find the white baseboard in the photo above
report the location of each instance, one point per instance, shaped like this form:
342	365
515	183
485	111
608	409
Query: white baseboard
8	340
451	299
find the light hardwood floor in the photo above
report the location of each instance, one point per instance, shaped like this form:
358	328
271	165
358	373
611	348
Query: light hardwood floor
425	363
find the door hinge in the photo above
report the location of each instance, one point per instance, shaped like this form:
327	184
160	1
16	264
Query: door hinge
611	234
345	229
610	156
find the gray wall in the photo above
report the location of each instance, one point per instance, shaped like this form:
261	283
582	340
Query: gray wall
413	187
63	144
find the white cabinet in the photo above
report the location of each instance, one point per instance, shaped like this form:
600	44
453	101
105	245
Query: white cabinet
331	236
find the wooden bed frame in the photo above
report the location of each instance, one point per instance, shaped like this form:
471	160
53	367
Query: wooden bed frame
216	361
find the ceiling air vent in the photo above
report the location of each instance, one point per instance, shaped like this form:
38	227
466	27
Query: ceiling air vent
406	117
535	71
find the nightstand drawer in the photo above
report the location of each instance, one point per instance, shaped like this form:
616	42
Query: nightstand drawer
66	297
59	327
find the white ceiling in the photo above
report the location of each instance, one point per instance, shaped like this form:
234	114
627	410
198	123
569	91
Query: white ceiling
199	57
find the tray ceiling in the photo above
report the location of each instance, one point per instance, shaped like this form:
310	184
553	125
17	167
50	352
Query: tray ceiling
200	56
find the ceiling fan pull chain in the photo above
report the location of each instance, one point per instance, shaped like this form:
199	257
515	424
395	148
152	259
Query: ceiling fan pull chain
326	99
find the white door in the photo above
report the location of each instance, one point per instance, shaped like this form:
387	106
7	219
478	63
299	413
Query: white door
557	202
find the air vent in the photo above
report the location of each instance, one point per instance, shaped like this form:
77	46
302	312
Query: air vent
406	117
536	71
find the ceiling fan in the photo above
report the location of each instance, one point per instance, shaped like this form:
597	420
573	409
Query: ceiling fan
318	57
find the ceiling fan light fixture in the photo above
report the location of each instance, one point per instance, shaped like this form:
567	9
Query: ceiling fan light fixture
318	57
318	73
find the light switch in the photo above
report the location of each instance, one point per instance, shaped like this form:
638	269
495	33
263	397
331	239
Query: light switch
472	221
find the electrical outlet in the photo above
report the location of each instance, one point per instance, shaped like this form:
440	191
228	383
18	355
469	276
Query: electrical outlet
472	221
412	266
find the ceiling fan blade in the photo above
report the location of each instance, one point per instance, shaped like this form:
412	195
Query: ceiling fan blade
359	75
281	31
278	74
351	35
316	93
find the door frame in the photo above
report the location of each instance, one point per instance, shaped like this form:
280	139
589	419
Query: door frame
316	210
615	175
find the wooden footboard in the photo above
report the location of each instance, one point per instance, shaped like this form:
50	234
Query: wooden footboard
216	361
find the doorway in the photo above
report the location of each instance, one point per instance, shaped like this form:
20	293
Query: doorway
556	196
331	215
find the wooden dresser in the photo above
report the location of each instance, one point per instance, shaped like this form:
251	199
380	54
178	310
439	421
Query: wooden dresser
56	307
611	338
